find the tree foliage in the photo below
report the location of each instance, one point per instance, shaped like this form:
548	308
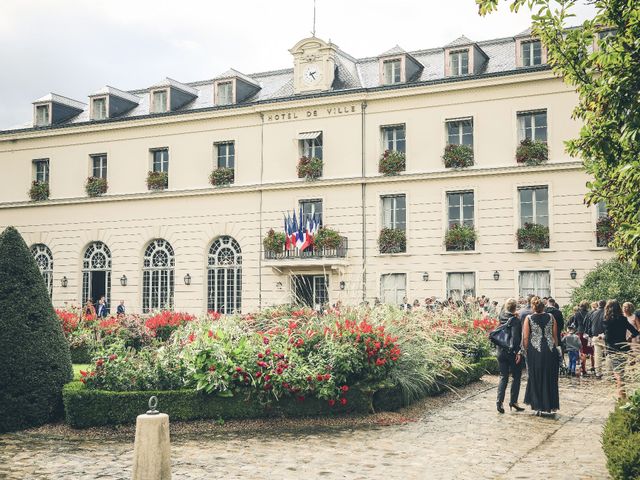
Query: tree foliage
601	59
611	279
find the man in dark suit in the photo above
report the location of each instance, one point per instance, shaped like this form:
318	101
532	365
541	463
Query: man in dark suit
120	309
102	307
553	309
526	311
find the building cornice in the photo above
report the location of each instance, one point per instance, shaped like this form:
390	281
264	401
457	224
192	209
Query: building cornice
257	188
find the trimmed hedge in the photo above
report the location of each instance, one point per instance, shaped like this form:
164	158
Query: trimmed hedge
88	408
81	354
621	444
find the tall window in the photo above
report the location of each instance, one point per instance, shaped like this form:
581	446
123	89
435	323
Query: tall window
310	290
535	283
460	132
158	276
460	208
226	152
459	62
393	138
394	212
99	108
534	205
41	170
42	115
44	259
160	160
99	166
96	273
225	93
601	210
224	276
532	126
392	71
310	209
159	101
393	288
461	285
311	144
531	53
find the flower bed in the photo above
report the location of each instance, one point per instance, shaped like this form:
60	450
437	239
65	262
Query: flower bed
604	231
392	240
163	324
532	152
458	156
274	242
310	168
39	191
533	237
327	238
157	180
460	237
96	186
222	176
392	162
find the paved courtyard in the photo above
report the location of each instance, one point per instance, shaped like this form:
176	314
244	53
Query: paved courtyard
458	435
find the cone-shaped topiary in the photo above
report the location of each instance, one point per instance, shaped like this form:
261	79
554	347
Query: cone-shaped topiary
34	355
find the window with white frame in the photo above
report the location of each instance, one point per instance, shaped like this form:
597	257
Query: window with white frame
159	102
44	259
311	144
394	212
601	210
532	126
96	273
158	276
41	170
99	166
42	115
226	154
225	93
460	132
311	209
531	52
461	285
392	71
460	208
393	288
160	161
224	273
99	108
534	283
393	138
534	205
459	62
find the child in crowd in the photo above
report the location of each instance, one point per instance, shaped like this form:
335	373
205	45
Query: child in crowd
572	345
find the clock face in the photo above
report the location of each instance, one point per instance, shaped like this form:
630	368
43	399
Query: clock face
311	74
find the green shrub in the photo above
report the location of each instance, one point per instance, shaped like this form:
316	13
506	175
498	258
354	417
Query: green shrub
222	176
460	237
458	156
157	180
96	186
392	162
34	355
532	152
310	168
274	242
327	238
533	237
610	279
81	354
621	441
392	240
39	191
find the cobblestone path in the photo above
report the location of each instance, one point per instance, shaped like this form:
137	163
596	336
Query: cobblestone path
461	438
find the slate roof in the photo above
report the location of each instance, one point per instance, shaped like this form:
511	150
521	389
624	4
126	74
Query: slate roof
54	97
352	75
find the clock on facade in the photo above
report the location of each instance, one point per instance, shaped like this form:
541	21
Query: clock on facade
311	74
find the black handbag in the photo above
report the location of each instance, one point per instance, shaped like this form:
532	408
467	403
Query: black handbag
502	336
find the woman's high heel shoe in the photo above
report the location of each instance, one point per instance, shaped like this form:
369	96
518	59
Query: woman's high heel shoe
516	407
500	408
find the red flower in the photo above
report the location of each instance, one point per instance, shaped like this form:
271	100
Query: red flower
279	371
210	334
238	369
260	355
332	402
319	377
343	401
265	340
344	388
267	378
258	374
192	337
308	378
327	376
83	373
212	368
267	386
112	357
99	362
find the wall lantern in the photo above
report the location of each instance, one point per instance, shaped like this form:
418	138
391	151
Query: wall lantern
342	285
187	279
425	276
64	282
573	274
496	275
123	280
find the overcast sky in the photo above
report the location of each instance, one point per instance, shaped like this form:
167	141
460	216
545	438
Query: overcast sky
74	47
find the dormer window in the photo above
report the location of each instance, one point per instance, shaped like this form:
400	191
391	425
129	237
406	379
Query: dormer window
531	53
159	101
99	108
224	93
459	62
392	71
42	115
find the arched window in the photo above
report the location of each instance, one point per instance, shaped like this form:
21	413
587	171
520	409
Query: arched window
44	259
96	273
224	276
158	276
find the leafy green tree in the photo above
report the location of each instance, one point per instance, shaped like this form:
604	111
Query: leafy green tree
34	355
601	59
611	279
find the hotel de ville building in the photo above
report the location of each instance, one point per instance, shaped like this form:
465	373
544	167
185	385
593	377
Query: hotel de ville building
436	173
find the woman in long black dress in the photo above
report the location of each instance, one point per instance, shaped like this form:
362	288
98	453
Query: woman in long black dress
538	340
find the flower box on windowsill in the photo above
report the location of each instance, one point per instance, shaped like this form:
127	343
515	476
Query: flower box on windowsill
392	240
532	152
604	231
39	191
310	168
96	186
533	237
157	180
222	176
460	238
273	243
392	162
458	156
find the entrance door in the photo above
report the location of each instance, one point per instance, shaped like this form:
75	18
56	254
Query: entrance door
98	285
310	290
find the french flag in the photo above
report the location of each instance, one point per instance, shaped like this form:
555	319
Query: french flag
301	234
287	241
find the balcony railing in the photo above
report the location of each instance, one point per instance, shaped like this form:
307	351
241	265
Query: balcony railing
310	253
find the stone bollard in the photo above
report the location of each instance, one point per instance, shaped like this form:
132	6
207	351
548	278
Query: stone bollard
151	453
